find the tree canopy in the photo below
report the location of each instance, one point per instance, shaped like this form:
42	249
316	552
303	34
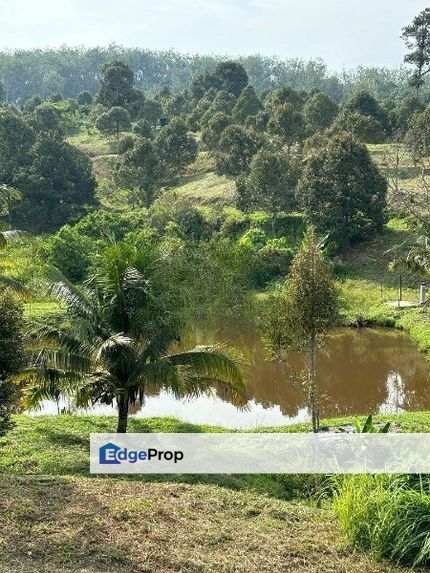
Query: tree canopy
342	191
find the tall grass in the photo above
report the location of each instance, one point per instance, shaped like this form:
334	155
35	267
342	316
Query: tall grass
386	515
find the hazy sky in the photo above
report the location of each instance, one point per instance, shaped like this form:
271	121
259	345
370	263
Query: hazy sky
344	33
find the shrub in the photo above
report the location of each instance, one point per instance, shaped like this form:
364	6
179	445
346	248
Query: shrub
71	252
189	220
125	143
277	257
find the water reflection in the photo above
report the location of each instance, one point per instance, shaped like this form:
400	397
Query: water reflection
359	372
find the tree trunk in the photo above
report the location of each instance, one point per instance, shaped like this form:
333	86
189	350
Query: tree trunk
122	403
312	387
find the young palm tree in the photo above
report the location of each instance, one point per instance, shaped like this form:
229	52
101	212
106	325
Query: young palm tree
121	329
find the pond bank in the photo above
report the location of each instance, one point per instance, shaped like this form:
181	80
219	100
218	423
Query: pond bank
365	304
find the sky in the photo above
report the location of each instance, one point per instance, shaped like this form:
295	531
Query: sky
345	33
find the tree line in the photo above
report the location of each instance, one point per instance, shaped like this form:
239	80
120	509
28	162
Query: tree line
69	71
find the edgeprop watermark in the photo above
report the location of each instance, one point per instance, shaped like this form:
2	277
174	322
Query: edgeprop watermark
244	453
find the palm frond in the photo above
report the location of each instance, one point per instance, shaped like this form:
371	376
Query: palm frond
17	287
75	300
194	372
111	346
61	338
67	364
216	362
8	195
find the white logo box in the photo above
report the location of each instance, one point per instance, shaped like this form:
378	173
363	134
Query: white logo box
264	453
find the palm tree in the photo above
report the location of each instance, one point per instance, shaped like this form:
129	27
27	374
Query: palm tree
414	258
119	339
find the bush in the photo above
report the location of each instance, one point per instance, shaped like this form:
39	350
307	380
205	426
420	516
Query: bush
277	257
111	224
190	221
387	516
71	252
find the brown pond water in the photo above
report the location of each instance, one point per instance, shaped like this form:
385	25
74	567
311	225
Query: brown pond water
360	371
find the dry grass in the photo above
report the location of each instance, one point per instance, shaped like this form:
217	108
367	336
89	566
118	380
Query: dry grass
207	188
104	525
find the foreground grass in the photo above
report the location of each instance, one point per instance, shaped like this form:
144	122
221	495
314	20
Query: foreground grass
56	518
105	525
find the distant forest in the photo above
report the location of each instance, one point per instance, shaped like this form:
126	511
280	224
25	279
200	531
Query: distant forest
69	71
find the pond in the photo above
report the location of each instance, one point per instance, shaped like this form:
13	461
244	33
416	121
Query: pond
360	371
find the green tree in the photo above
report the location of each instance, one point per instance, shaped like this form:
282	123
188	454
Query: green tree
301	314
56	186
248	103
16	140
365	104
216	125
117	86
418	135
364	128
84	98
404	113
11	354
287	123
342	191
71	252
120	339
237	147
115	120
202	83
45	118
231	77
141	168
271	182
151	111
143	128
319	112
175	146
32	103
223	102
417	40
284	95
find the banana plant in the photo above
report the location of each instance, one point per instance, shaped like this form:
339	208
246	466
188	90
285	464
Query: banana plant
370	428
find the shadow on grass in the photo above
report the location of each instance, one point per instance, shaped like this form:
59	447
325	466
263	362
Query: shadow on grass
60	445
53	526
370	260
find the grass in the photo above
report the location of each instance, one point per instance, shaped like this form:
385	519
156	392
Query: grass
206	188
59	445
104	525
385	156
93	143
367	286
56	518
43	310
388	516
